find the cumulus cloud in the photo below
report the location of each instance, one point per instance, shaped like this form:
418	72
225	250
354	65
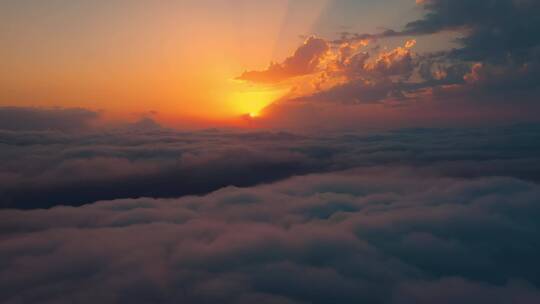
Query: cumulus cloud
501	37
492	73
304	61
385	235
337	70
357	77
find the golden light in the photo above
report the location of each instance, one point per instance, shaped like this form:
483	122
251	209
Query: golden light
251	101
142	63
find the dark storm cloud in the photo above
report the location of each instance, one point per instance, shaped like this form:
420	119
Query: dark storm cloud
383	235
17	118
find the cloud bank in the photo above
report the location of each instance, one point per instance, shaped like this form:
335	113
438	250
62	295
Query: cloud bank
378	236
42	169
304	61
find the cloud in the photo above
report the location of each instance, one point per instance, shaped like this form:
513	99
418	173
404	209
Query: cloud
386	235
458	290
494	29
499	36
395	62
59	119
492	73
43	169
304	61
46	169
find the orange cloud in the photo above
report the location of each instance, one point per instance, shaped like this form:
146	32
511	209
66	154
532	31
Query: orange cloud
304	61
339	72
398	61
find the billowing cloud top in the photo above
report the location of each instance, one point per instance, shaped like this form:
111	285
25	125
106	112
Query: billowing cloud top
304	61
494	65
384	235
397	217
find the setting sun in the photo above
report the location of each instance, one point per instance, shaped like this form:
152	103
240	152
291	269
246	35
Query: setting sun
254	115
254	100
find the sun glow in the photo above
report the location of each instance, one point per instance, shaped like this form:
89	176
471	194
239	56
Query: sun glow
252	100
176	60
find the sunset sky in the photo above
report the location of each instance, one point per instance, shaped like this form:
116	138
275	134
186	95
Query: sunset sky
180	59
269	151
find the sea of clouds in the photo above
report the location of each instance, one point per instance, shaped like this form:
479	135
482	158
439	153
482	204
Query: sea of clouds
374	236
143	214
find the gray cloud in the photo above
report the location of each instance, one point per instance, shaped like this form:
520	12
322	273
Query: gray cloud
494	29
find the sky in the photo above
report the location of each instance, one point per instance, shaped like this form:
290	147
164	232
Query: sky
180	59
273	152
286	64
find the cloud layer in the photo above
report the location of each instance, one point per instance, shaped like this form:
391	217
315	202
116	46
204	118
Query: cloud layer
406	216
384	235
43	169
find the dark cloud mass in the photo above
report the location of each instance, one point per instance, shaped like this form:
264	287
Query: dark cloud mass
495	29
501	35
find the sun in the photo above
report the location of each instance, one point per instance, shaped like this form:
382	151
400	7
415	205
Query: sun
251	101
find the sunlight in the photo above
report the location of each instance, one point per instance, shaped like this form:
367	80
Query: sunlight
253	101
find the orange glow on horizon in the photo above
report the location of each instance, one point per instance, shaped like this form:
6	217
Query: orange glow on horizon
176	59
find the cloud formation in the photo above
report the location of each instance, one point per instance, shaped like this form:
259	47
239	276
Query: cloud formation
500	39
495	30
304	61
385	235
493	68
42	169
